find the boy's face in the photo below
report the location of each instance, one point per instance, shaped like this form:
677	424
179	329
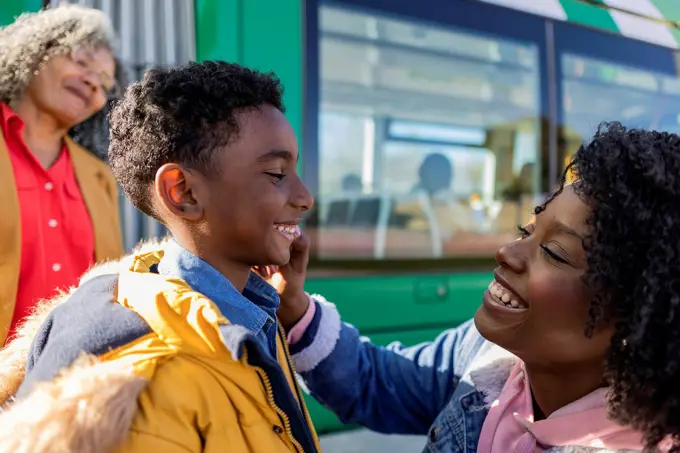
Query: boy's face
253	204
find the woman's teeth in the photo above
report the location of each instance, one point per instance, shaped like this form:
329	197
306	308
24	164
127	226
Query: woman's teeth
291	232
505	297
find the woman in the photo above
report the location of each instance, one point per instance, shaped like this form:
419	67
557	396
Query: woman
60	203
576	345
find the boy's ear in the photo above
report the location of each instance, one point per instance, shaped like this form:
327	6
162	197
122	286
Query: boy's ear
174	189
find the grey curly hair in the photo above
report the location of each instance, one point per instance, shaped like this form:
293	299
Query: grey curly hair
26	42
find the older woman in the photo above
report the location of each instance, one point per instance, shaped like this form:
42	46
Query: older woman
59	202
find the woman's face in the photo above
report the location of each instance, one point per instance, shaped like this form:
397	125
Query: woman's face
539	275
73	87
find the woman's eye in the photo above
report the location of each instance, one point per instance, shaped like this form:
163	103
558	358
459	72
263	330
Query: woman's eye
552	255
278	176
549	254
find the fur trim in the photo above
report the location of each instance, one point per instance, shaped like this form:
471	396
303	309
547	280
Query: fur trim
88	408
13	357
490	370
325	340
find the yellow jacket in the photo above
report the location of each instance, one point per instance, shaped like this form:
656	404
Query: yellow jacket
170	375
100	193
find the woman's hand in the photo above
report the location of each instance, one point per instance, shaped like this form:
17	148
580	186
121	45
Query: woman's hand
289	282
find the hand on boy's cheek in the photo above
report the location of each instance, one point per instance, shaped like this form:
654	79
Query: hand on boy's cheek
289	281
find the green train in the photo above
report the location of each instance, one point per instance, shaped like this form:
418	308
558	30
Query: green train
428	129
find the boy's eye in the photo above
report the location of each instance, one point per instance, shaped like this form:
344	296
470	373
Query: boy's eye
278	176
523	232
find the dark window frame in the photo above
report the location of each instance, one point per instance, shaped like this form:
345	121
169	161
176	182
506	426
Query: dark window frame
473	16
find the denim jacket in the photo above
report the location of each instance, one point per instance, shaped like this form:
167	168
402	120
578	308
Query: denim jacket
442	388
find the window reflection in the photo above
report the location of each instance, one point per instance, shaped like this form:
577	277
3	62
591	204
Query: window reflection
596	90
428	138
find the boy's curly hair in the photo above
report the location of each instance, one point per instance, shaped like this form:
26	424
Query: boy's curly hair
182	115
50	32
630	178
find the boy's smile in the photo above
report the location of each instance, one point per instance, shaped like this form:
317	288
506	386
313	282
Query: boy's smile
288	230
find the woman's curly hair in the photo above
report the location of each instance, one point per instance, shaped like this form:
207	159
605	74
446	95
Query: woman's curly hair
630	178
57	31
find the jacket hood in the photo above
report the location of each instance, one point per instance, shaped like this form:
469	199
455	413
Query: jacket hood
72	377
52	417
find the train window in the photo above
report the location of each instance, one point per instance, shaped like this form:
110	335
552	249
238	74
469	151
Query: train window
635	97
428	138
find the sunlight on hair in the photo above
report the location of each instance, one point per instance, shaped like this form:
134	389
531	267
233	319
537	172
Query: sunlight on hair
571	175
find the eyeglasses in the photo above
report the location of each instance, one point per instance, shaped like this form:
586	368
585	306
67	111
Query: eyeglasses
85	59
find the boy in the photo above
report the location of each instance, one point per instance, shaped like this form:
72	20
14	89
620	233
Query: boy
189	354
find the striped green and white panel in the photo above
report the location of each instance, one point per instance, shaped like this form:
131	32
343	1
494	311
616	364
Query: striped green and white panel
646	20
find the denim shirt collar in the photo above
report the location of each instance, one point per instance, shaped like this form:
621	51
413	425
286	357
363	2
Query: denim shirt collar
251	309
